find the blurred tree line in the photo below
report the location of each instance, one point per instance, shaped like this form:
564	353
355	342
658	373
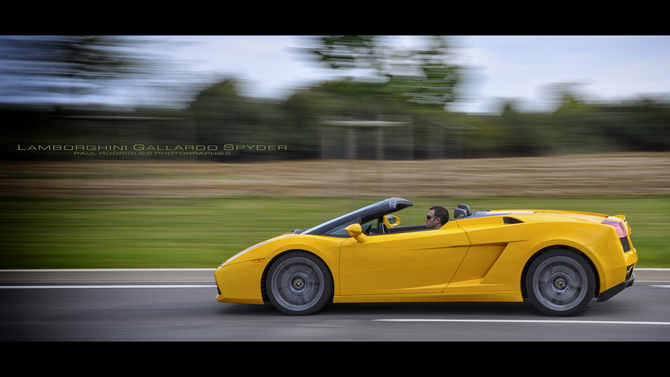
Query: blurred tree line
378	82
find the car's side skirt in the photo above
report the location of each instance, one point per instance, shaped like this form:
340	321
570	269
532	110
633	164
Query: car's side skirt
501	296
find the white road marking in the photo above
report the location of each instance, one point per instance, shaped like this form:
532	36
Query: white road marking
528	321
104	286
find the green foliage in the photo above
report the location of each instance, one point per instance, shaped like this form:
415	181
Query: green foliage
348	52
575	127
435	87
220	115
425	78
412	83
203	232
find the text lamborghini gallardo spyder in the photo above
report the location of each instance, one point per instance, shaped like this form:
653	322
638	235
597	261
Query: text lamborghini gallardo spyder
558	260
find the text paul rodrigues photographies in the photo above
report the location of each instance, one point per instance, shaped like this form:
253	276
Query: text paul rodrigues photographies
149	149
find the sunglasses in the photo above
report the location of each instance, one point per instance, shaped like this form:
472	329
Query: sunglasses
428	217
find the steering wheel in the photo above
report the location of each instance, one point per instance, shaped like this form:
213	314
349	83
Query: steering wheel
383	227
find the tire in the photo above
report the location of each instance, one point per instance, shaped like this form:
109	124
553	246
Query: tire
560	283
299	283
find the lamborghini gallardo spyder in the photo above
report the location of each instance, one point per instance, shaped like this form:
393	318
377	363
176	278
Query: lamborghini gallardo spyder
559	261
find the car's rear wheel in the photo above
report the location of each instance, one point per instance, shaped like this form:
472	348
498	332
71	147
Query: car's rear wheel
299	283
561	283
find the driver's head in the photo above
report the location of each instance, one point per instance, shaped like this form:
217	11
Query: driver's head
437	216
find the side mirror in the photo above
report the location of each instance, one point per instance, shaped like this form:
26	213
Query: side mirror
391	220
355	231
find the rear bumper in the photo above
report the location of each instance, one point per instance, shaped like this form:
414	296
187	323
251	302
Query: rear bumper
608	294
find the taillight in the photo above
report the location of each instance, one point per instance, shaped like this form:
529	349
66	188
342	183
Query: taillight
620	226
622	230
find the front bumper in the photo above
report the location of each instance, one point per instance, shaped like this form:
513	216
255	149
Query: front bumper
239	283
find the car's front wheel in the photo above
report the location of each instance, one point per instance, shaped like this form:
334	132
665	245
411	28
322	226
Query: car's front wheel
299	283
561	283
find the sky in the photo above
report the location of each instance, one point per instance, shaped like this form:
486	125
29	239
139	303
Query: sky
605	68
522	69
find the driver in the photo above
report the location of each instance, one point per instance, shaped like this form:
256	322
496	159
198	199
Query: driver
437	216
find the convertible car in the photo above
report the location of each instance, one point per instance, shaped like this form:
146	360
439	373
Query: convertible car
558	260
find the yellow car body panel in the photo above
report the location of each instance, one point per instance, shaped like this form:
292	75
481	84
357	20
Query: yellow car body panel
401	264
482	257
239	278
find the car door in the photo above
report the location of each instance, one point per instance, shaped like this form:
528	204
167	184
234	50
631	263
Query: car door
405	263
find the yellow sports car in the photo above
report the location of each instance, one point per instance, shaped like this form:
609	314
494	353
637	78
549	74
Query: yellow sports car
558	260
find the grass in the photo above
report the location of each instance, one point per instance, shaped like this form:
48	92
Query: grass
203	232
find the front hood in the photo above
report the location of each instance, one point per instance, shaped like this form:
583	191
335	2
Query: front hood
255	251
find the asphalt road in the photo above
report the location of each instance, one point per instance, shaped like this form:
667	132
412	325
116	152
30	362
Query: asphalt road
171	305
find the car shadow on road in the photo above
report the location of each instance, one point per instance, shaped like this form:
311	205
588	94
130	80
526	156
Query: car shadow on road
432	308
404	309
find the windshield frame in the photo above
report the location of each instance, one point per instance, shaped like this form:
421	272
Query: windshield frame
360	215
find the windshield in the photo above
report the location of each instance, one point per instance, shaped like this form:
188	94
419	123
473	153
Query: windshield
336	226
